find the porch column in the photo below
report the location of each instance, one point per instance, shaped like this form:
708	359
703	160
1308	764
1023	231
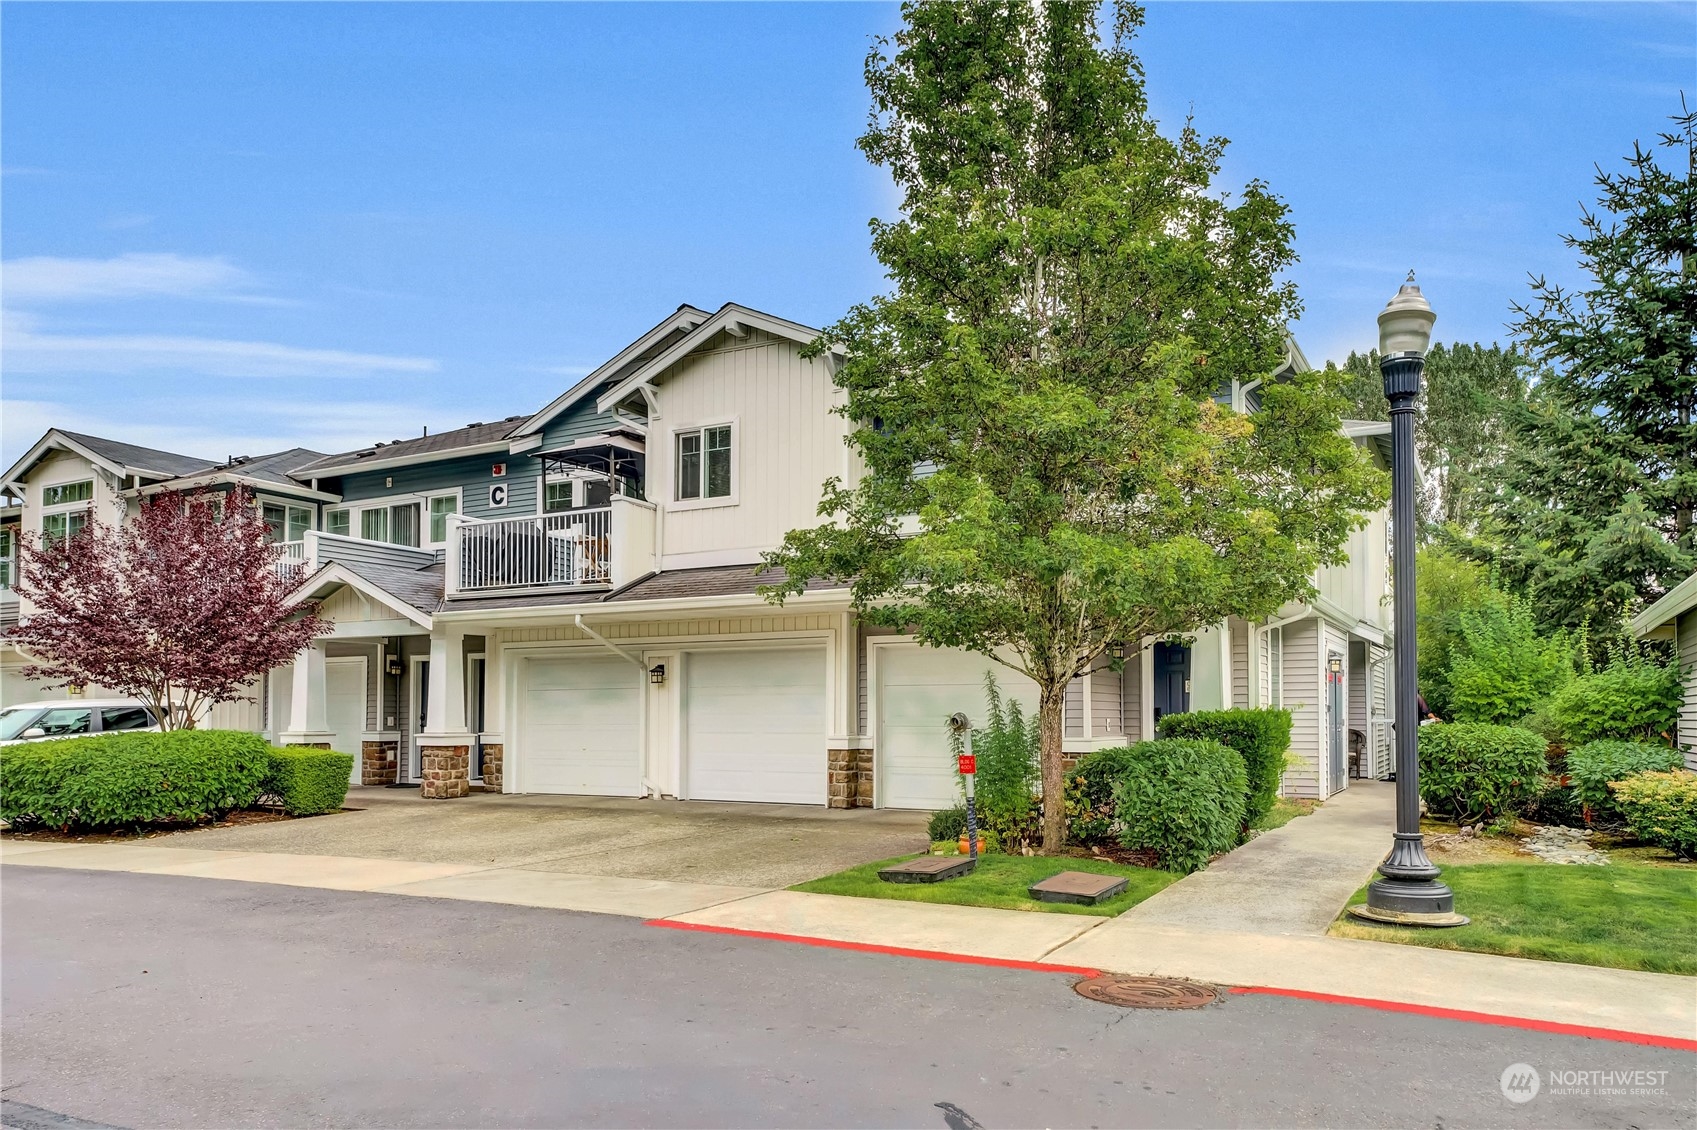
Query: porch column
445	747
308	722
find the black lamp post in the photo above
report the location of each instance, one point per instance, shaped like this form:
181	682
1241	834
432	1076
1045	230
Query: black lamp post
1408	890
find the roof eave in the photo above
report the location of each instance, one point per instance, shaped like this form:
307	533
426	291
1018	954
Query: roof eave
1674	603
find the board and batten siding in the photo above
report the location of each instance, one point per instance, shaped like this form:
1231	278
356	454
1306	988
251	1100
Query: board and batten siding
471	475
785	443
1301	688
1685	643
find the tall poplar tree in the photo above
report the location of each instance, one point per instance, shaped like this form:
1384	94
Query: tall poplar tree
1598	516
1046	468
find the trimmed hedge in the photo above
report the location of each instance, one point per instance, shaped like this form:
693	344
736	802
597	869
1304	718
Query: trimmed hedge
1090	794
1661	809
306	781
1473	770
1594	765
126	779
1261	737
1183	799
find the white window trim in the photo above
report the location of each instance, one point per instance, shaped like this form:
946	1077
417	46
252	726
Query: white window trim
731	499
424	540
261	501
58	508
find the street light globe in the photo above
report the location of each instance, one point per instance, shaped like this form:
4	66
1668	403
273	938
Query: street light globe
1405	324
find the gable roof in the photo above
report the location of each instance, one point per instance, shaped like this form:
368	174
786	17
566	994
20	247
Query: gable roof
259	471
680	321
117	457
730	317
415	593
469	440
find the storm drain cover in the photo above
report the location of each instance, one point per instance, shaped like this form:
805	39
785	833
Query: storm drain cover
1146	992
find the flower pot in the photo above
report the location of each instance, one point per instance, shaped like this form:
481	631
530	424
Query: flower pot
966	846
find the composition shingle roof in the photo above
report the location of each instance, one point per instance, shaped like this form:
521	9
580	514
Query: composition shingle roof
676	584
472	435
421	588
140	458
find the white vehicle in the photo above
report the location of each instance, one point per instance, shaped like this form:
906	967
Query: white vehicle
72	718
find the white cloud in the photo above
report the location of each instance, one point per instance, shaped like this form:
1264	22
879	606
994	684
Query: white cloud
24	350
46	278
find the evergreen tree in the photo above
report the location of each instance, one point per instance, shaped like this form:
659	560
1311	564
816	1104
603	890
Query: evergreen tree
1597	515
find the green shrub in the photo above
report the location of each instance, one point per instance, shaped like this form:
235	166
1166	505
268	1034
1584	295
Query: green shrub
1503	664
1009	778
1260	736
1632	699
1183	799
1595	765
307	782
949	824
1090	794
127	779
1661	809
1472	770
1555	803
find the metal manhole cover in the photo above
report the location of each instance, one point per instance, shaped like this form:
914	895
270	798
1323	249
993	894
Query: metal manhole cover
1146	992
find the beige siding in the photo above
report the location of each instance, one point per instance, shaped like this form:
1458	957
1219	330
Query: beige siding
1241	632
1381	737
1686	644
1131	697
674	629
862	691
1105	702
1075	709
786	442
1264	648
1358	586
1301	687
246	714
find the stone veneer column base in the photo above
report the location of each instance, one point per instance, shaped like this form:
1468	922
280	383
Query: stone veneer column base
379	762
863	782
493	756
848	778
446	771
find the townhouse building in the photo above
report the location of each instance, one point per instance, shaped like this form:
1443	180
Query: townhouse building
566	602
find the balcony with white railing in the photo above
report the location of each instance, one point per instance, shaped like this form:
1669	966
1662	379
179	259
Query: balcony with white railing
568	549
291	563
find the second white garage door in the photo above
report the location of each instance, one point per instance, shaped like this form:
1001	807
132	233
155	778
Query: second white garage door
579	727
756	725
918	688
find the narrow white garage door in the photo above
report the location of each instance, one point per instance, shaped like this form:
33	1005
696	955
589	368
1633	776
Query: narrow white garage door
918	688
578	723
756	725
344	706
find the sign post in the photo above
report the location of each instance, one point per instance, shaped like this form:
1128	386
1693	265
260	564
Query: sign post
967	765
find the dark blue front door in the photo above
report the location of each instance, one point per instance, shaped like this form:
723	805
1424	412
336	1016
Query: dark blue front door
1172	679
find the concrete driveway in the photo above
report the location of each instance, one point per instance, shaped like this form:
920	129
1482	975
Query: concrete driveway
749	845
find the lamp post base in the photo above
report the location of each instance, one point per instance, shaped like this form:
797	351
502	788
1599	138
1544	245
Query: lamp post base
1402	903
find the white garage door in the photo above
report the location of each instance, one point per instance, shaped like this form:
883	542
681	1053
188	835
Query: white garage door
344	706
579	727
918	688
756	725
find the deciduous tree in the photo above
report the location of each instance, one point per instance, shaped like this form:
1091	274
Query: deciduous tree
1047	470
180	607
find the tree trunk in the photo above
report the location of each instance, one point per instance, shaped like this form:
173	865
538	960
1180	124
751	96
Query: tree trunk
1051	721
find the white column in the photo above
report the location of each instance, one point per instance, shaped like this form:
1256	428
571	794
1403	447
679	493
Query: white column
445	707
308	721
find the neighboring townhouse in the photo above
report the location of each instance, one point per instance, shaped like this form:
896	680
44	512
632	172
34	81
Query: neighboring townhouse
566	603
1674	618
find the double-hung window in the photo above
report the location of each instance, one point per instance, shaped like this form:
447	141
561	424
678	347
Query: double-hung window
65	508
704	463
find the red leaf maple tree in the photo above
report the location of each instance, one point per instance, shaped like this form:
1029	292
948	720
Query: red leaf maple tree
179	607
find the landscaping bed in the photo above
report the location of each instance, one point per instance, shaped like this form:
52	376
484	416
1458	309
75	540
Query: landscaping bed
1626	915
1000	881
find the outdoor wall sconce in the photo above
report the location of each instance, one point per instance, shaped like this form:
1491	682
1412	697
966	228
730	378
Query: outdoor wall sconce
657	674
1335	665
1117	650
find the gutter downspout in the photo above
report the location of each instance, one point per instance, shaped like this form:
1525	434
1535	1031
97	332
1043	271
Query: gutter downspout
649	788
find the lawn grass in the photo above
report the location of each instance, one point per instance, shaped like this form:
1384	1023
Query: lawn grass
1624	916
999	881
1284	810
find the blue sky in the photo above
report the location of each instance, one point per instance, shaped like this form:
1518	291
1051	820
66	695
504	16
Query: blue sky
232	228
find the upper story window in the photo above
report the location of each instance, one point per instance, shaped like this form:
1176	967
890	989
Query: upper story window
397	525
704	463
284	522
8	555
441	506
336	522
64	494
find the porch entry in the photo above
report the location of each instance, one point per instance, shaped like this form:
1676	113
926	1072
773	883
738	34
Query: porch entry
1172	680
1336	744
413	768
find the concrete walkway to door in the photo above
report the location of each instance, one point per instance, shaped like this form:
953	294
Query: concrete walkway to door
746	845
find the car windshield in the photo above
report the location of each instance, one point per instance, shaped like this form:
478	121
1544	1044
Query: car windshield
14	720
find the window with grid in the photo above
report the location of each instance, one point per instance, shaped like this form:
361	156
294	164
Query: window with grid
704	463
64	494
557	495
8	555
440	507
336	522
57	527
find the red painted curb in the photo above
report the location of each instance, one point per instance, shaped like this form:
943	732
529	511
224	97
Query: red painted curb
868	947
1557	1027
1463	1015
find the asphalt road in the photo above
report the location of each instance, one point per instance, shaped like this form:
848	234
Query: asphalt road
157	1001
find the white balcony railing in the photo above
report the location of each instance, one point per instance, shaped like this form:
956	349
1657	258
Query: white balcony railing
570	548
291	565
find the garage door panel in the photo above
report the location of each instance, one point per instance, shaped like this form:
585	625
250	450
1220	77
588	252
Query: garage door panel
756	725
580	732
918	689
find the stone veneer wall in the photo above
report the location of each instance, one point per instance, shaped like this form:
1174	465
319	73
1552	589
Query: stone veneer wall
493	756
446	771
849	774
379	762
